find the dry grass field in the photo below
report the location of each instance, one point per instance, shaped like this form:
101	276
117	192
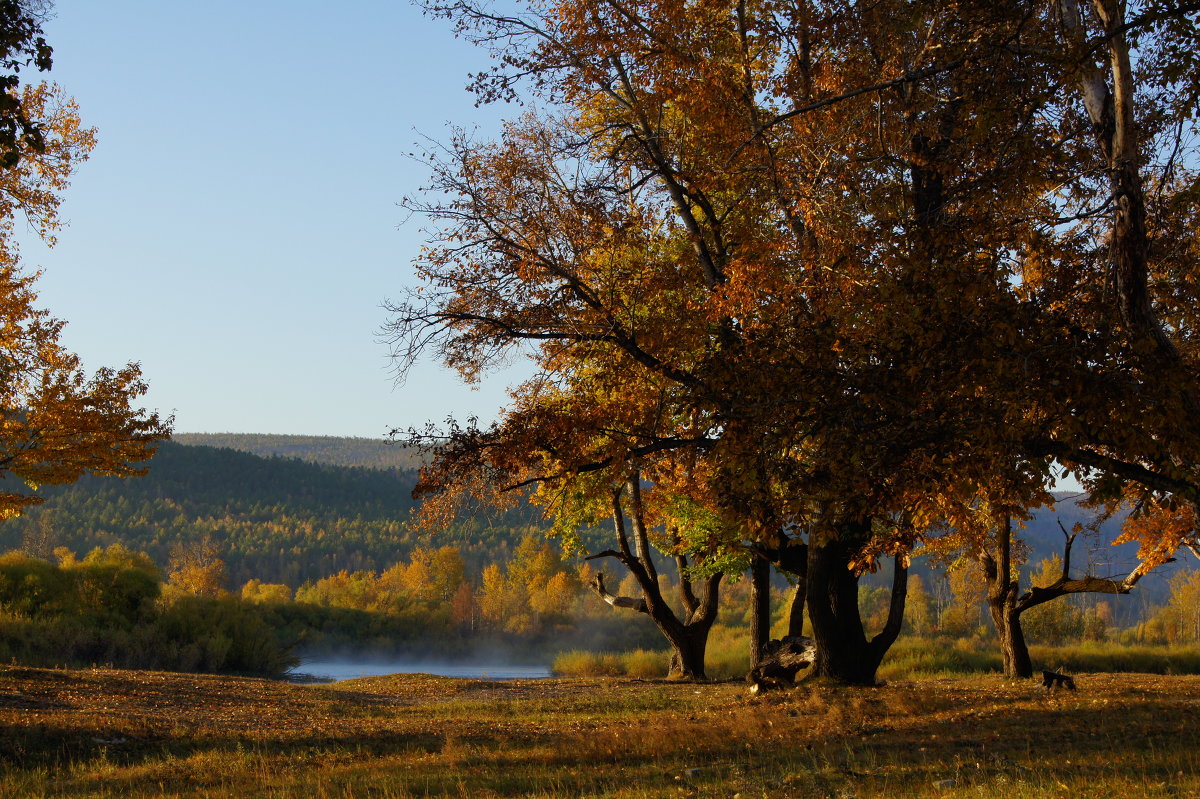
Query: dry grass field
135	734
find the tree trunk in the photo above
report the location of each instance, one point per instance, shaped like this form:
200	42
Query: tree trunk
688	634
687	656
796	612
833	609
791	557
843	651
760	607
1015	652
1007	619
1002	603
688	637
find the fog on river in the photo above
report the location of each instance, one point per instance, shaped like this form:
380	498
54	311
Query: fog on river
326	669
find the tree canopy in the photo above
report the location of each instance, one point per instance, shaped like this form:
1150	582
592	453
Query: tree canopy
841	274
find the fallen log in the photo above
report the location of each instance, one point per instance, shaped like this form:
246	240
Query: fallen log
780	662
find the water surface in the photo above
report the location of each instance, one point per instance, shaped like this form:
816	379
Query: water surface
332	670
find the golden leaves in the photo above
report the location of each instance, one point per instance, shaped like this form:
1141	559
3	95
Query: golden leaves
56	422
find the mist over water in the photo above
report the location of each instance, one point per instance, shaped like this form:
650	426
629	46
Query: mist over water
333	669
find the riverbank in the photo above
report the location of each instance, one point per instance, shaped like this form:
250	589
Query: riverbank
142	734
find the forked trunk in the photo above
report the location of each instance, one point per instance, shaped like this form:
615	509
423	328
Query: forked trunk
844	653
687	655
687	632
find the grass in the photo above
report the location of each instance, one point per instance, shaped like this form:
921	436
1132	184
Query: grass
126	734
909	658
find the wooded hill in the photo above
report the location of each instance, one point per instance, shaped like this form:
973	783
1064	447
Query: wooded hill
276	519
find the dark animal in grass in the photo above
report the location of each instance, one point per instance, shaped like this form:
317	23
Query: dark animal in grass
780	662
1052	679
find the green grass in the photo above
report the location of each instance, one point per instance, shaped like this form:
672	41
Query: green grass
909	658
143	734
1094	656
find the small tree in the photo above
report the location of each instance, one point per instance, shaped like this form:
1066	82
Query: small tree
197	568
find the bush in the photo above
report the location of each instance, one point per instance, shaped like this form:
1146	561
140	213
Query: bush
103	611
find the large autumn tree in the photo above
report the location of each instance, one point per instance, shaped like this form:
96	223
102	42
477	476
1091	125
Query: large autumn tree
835	233
57	421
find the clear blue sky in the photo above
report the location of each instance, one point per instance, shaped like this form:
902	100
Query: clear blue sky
236	229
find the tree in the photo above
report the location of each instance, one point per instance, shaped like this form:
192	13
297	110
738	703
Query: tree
1128	69
1053	581
920	617
687	631
639	234
21	44
58	422
816	253
197	568
255	590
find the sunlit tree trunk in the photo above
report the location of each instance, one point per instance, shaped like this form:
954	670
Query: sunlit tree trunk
688	633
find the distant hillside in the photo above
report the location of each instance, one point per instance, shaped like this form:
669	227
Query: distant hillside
277	519
368	453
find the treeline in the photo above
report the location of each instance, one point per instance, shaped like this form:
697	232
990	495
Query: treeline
117	607
365	453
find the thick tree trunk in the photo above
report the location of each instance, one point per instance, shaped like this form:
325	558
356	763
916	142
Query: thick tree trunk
760	608
843	651
1013	648
687	656
837	626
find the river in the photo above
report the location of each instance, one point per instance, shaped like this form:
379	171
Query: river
318	670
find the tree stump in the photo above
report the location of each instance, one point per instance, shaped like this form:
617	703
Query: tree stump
780	662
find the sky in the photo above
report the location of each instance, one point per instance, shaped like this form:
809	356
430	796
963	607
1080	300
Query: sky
236	230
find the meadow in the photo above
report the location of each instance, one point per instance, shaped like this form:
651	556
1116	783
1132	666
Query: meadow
103	733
